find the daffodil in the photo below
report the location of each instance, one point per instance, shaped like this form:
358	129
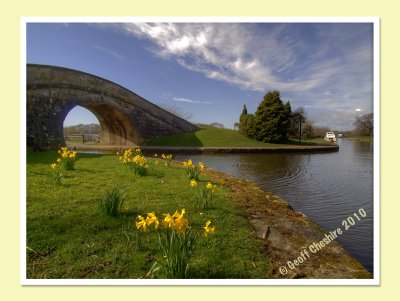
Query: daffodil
58	160
189	162
181	225
177	215
208	229
201	166
193	183
141	223
168	220
209	185
53	166
152	218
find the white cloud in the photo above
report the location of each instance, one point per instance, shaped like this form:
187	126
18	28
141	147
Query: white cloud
358	110
180	99
330	72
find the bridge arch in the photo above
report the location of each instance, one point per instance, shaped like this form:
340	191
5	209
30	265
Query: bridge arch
126	118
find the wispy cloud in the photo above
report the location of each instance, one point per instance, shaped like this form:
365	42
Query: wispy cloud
180	99
327	67
113	53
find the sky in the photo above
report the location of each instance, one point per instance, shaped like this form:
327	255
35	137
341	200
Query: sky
211	70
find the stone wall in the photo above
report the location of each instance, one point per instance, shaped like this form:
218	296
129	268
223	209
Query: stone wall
125	117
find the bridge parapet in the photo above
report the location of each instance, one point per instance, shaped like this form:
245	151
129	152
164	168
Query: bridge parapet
125	117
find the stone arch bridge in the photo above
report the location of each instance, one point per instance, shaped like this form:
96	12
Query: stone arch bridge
126	119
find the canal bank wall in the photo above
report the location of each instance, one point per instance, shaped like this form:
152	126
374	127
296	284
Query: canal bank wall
298	247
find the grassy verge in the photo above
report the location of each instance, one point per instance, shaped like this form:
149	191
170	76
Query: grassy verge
362	138
214	137
69	237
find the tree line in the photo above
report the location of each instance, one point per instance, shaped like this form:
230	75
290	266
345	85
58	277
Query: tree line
275	122
82	129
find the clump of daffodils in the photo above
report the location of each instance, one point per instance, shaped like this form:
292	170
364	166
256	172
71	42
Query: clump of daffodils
204	199
67	158
192	170
166	158
176	241
56	173
136	160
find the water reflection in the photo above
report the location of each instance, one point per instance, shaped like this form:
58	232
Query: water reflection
328	187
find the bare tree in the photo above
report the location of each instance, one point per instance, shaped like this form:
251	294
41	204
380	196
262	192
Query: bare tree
174	109
365	124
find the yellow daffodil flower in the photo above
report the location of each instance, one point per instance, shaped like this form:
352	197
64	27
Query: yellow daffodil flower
168	220
201	166
208	229
209	185
53	166
152	218
193	183
141	223
58	160
177	215
181	225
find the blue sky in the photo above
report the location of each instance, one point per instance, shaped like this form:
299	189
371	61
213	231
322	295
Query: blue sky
211	69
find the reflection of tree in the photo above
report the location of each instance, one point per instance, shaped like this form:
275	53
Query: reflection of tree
362	147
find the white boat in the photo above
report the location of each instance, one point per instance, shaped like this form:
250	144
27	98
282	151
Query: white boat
330	136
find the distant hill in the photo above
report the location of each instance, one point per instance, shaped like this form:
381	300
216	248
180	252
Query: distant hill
92	128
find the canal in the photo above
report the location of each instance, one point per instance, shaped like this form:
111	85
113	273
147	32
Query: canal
327	187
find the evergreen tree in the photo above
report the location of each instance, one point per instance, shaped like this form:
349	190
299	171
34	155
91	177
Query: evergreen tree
272	119
246	123
244	111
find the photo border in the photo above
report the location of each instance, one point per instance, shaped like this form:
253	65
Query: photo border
376	280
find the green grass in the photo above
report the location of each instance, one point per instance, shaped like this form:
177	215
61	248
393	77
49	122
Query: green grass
207	136
69	237
214	137
362	138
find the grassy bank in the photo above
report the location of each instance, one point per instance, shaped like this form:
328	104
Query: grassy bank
362	138
69	237
214	137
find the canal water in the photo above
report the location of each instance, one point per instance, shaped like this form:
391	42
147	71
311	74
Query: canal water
327	187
